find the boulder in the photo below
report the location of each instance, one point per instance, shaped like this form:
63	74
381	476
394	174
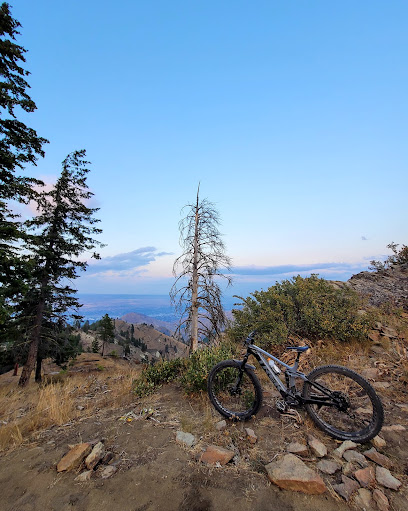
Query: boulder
291	473
74	458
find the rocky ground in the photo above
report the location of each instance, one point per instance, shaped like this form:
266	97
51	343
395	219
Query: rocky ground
173	452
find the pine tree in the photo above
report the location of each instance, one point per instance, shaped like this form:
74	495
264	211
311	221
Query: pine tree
95	345
196	293
107	331
63	230
19	146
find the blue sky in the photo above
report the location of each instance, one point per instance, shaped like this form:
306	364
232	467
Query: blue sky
291	115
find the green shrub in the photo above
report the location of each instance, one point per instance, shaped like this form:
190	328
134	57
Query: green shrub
153	376
194	377
192	372
307	307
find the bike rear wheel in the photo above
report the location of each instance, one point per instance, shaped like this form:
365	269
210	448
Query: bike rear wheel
358	414
235	392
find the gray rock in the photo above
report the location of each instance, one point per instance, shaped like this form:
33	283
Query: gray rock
390	285
373	455
98	452
328	467
363	500
348	444
385	478
251	435
349	468
297	448
185	438
318	448
356	457
291	473
346	488
221	425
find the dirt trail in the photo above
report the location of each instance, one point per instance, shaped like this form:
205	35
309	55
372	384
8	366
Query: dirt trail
156	473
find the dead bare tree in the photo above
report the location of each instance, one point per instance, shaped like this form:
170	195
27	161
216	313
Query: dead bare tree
196	293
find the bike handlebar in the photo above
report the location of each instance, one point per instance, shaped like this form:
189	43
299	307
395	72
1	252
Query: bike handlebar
250	337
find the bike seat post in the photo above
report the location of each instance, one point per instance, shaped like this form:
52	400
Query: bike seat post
296	365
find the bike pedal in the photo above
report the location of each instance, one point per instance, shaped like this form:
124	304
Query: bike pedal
281	406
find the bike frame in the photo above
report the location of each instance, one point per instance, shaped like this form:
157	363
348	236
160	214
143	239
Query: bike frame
291	373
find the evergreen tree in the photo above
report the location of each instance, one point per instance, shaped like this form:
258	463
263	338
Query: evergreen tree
19	146
95	345
63	230
106	331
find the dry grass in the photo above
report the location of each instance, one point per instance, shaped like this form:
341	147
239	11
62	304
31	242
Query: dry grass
26	411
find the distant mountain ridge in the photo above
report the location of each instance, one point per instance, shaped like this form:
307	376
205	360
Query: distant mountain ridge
165	327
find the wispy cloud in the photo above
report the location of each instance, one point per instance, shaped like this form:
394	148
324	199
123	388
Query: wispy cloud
127	264
295	269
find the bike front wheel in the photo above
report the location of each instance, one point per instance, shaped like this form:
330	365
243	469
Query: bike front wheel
234	391
348	408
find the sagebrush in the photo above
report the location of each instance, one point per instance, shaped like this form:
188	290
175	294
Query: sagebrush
305	307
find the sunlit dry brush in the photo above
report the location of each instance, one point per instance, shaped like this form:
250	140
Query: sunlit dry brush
37	407
29	410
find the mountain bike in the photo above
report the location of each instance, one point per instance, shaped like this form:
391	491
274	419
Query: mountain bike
339	401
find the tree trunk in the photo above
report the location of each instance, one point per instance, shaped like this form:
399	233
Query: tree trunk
38	369
34	344
15	369
194	289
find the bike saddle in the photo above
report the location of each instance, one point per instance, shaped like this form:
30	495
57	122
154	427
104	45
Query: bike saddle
298	349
